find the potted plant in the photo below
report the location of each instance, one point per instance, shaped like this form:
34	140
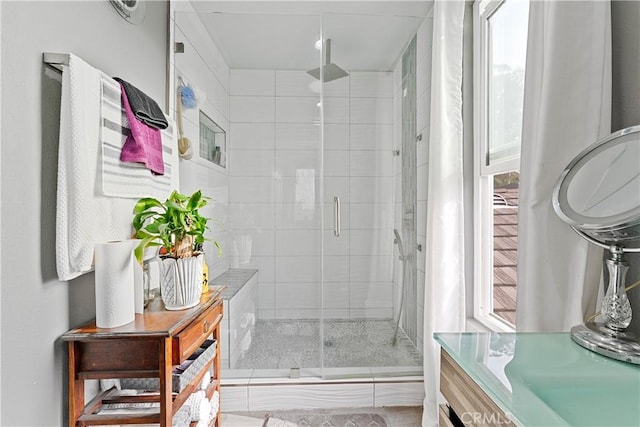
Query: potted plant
177	227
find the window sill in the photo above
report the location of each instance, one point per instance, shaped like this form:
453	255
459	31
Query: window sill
488	324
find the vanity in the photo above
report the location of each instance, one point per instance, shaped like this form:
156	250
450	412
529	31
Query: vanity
533	379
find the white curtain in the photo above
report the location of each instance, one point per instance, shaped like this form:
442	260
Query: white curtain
567	107
444	309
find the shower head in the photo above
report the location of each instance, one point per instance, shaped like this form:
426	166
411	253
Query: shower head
330	71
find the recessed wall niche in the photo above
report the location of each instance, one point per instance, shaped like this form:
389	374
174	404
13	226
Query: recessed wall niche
213	141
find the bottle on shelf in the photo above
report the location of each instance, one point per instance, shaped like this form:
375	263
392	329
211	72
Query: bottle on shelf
205	277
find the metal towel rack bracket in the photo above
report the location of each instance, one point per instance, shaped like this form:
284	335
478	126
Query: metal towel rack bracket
55	60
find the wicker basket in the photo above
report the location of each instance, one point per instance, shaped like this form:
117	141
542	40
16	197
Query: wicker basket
182	375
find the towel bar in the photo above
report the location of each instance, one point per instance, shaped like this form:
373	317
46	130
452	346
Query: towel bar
55	60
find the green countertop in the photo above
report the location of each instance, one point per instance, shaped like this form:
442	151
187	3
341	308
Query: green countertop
547	379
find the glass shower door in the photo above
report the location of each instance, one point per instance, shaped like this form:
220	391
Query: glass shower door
362	129
268	197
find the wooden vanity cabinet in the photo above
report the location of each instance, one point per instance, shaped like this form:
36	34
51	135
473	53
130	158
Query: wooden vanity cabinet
149	347
471	405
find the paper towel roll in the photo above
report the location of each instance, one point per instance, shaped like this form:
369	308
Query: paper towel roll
115	300
138	286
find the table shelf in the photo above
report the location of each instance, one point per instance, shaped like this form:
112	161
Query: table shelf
150	347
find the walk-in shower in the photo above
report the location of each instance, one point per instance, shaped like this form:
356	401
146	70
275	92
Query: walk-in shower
301	132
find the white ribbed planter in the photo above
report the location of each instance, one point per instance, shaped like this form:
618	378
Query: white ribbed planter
181	282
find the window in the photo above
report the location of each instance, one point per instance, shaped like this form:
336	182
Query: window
500	44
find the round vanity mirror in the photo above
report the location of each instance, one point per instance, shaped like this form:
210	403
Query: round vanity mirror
132	11
598	195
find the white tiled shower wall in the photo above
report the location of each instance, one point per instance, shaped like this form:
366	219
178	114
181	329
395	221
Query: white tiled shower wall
274	165
205	69
423	109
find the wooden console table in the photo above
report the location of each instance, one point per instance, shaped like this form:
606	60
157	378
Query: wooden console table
149	347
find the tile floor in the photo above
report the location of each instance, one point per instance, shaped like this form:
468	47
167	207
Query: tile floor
354	343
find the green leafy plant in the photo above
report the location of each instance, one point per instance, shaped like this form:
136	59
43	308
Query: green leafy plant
175	225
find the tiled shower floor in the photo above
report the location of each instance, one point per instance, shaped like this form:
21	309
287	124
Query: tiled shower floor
281	344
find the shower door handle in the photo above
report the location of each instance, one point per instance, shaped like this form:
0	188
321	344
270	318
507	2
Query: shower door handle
336	216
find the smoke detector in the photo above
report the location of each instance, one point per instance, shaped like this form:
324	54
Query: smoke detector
132	11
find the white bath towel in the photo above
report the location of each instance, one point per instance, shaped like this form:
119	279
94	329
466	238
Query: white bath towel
83	216
215	404
205	411
182	418
206	380
200	406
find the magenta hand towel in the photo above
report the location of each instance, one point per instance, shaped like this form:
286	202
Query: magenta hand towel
144	143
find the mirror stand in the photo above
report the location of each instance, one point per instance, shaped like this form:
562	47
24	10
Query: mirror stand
610	337
598	195
598	338
616	309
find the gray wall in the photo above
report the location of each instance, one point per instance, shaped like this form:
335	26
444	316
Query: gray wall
625	22
35	307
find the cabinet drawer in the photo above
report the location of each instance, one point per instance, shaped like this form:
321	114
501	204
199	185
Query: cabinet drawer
188	341
466	398
443	418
